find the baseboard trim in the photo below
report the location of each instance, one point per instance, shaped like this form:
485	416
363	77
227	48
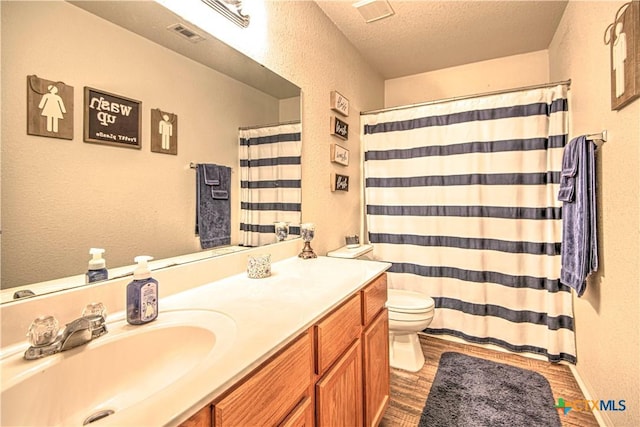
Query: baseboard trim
602	419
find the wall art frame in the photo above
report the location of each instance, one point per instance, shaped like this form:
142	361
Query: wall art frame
339	155
623	36
49	108
339	182
164	132
339	128
111	119
339	103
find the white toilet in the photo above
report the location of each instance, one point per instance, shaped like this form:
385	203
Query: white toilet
409	313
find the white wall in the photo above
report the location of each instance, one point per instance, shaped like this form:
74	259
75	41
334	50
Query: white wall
61	197
478	77
607	315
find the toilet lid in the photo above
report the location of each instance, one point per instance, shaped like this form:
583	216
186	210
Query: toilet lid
408	301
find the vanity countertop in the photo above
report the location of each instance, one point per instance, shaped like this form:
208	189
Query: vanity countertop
268	313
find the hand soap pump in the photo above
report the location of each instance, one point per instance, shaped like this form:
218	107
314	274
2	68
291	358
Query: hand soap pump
97	270
142	294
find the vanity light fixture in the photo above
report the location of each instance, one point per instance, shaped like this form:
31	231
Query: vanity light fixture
374	10
230	9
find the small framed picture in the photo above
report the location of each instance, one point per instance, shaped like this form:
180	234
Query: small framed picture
111	119
339	182
164	132
49	108
624	38
339	155
339	128
339	103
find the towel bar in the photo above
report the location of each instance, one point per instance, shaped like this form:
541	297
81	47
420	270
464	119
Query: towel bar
194	165
602	136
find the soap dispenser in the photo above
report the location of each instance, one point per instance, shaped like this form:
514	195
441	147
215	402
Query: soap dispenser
142	294
97	270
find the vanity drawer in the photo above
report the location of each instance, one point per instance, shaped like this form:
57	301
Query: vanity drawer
272	391
374	296
336	332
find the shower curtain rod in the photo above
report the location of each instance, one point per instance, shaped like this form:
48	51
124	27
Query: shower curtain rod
477	95
293	122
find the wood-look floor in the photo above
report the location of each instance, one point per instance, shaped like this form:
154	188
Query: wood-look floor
409	390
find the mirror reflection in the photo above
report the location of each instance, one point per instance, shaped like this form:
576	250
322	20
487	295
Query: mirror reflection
62	196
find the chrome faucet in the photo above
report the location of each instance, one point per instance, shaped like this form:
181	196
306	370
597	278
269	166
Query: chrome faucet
45	340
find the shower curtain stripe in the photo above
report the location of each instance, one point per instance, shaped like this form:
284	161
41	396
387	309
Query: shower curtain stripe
270	181
557	141
535	248
461	199
468	211
537	109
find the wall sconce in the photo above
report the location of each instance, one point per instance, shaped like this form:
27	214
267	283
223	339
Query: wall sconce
230	9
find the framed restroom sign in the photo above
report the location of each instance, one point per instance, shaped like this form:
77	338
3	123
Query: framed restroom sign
49	108
111	119
164	132
624	37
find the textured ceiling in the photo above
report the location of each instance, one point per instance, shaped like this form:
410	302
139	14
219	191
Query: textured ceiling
426	35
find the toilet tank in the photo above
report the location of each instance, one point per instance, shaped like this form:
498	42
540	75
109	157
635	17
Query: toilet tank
360	252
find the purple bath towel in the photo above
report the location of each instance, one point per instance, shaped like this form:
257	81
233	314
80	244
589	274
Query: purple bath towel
213	206
579	255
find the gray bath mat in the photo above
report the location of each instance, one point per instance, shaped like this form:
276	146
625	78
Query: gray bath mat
469	391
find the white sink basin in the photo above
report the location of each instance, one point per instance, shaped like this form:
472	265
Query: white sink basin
114	372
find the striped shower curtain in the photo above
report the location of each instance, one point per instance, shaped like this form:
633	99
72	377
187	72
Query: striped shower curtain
270	181
461	199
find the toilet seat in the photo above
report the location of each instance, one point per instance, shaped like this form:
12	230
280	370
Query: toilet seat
410	317
401	301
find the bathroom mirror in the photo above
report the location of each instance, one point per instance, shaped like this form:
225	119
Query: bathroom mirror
60	197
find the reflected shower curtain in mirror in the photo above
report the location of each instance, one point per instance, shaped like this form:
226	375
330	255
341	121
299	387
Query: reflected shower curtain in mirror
270	180
461	197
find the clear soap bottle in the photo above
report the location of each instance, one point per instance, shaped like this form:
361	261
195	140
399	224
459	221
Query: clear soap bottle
142	294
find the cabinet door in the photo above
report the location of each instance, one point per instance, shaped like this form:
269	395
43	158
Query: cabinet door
376	369
269	394
339	392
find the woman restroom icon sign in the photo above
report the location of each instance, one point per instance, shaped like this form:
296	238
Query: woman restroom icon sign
50	108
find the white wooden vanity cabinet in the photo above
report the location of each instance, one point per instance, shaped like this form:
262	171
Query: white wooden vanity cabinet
336	373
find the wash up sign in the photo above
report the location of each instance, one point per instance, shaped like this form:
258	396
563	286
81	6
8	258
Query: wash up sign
111	119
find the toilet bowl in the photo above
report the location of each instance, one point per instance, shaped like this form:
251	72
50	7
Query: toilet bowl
409	313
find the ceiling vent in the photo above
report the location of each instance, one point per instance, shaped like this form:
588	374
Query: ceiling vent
374	10
185	32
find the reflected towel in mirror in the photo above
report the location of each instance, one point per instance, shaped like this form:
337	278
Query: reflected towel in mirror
213	207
